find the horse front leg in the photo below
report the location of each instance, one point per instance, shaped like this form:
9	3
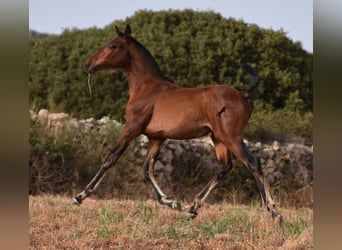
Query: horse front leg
93	184
154	147
125	138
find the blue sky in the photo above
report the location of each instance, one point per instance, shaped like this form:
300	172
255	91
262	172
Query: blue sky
295	17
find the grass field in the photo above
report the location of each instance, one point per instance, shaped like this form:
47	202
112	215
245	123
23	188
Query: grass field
139	224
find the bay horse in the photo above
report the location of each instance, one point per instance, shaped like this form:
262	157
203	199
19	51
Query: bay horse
160	109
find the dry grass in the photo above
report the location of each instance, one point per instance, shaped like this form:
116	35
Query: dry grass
128	224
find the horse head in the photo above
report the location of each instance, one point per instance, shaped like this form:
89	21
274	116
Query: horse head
114	55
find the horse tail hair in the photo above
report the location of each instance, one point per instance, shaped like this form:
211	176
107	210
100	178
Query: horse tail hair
254	83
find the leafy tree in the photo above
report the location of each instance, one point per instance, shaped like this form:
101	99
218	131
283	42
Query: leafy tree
193	48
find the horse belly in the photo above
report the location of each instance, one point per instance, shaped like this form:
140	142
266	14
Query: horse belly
177	124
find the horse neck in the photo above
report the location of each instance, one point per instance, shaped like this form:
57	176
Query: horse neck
143	68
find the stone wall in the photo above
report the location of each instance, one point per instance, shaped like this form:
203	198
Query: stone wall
286	165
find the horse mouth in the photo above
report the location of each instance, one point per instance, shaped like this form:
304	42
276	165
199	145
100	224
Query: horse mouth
90	69
94	68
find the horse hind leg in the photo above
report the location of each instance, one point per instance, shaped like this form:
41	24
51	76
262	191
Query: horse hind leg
223	156
252	162
153	150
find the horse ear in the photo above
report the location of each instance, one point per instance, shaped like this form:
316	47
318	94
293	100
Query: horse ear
118	32
128	30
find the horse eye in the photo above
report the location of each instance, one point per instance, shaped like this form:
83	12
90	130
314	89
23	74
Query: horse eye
112	46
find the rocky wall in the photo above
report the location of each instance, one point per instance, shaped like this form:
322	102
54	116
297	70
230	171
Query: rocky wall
288	165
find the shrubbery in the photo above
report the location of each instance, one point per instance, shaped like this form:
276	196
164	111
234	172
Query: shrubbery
193	48
61	160
283	125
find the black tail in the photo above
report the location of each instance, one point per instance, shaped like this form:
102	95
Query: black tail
255	81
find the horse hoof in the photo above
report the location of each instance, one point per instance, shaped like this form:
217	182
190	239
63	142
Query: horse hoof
176	206
280	219
192	215
75	201
274	213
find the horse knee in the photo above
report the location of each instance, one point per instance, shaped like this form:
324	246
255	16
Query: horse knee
258	165
146	171
229	166
114	155
255	164
224	170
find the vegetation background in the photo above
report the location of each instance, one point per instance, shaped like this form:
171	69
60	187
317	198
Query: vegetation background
194	49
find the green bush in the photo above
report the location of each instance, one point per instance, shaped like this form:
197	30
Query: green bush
65	160
284	125
50	161
60	159
193	48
